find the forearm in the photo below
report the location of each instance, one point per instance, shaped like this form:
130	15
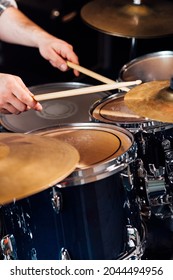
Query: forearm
16	28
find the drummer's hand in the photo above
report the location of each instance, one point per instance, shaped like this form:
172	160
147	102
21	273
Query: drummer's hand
57	51
15	97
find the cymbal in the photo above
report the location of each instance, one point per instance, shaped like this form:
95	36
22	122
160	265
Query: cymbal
121	18
32	163
153	100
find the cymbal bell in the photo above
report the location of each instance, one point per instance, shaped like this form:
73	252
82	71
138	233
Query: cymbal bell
148	19
153	100
32	163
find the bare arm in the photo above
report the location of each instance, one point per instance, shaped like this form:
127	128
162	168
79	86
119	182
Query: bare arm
16	28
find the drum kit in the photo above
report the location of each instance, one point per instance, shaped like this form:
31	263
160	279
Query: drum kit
79	178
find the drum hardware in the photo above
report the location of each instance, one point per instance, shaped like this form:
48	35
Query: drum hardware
140	177
133	254
152	100
8	247
156	172
64	254
136	244
56	199
154	193
166	144
26	156
127	178
142	142
133	236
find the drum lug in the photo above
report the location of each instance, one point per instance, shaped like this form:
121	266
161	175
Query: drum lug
133	236
166	144
156	173
142	141
134	241
127	178
64	254
56	199
153	191
8	247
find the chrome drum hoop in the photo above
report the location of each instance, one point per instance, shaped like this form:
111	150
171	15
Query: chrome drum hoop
95	171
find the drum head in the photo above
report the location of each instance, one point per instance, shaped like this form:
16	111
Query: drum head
101	147
150	67
63	110
113	110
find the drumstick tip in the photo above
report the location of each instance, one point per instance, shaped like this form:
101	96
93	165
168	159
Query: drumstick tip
138	82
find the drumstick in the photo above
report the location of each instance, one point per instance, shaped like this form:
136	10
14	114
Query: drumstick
85	90
118	114
93	74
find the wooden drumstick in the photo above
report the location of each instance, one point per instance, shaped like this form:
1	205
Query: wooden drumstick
93	74
85	90
118	114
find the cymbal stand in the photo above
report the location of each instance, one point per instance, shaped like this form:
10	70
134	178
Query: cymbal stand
133	48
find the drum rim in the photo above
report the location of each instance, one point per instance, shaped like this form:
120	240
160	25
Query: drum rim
149	126
127	65
58	84
96	171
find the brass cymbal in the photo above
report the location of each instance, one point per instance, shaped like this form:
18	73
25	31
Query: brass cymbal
32	163
148	19
153	100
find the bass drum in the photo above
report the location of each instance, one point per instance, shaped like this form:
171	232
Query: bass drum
154	150
149	67
93	213
56	111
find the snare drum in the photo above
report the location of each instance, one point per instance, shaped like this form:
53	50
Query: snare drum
92	214
56	111
154	146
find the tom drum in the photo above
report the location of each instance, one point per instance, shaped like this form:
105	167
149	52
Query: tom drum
93	213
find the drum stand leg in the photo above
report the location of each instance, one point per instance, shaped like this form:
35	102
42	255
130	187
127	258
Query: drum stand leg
133	48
